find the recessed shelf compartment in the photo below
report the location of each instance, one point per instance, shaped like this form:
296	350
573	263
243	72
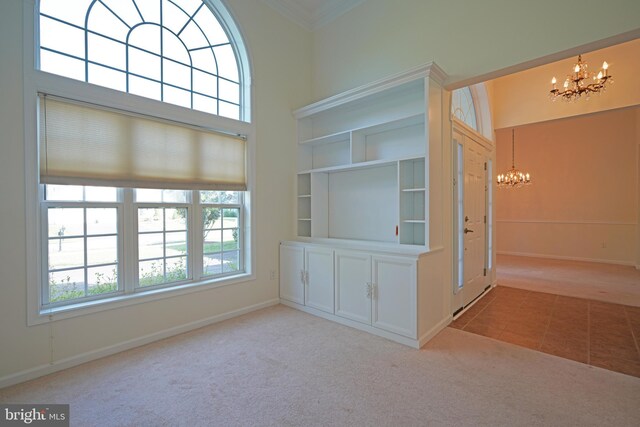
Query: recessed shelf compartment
362	162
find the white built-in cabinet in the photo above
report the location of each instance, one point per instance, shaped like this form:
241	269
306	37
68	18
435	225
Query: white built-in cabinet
377	290
308	277
365	223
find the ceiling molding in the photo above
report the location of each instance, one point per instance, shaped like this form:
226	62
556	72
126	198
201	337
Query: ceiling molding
312	14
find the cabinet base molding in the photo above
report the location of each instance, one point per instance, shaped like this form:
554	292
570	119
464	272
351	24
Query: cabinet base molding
366	328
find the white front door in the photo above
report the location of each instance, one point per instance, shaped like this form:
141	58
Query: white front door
473	223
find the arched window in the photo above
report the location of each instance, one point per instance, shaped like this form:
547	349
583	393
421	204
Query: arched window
463	107
132	195
175	51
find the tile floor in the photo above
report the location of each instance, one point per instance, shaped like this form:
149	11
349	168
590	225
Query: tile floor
592	332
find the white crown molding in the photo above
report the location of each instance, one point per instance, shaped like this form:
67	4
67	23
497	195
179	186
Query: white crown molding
430	70
312	14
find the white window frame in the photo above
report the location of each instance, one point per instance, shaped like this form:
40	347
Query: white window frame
36	81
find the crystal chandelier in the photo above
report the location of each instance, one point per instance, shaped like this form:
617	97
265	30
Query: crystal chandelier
513	177
577	84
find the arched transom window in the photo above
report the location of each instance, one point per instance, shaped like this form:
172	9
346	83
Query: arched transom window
463	107
176	51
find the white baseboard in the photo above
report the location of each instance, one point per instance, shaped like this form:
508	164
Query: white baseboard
568	258
69	362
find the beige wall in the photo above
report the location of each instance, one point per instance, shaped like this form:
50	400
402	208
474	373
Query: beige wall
467	39
582	203
280	53
523	97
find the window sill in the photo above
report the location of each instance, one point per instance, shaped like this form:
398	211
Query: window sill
46	315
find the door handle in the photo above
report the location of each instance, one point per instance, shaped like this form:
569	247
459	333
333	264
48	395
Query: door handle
466	230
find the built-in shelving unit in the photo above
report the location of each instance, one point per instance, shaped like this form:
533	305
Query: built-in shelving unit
361	167
369	249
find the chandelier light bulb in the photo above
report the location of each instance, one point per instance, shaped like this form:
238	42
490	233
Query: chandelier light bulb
581	83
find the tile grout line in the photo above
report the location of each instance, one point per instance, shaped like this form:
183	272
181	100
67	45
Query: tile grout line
589	333
635	339
548	323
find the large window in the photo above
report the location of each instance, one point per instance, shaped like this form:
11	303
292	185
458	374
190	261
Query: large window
137	194
175	51
85	229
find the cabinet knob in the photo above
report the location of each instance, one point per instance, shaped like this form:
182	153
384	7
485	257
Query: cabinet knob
369	289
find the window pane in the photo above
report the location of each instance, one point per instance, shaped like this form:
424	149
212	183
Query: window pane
144	64
150	219
66	222
229	91
102	250
212	241
202	103
66	253
102	21
73	11
205	83
151	273
125	10
205	60
193	36
176	269
106	52
231	262
144	87
176	243
63	192
211	218
102	221
162	196
101	194
150	246
211	27
212	265
66	285
220	197
102	280
176	74
176	219
62	65
227	66
173	17
229	110
177	96
173	48
61	37
107	77
231	239
230	219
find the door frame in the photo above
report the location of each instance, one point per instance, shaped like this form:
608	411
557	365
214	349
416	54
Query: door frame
462	134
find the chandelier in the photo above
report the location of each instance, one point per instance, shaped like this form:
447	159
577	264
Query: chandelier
513	177
577	84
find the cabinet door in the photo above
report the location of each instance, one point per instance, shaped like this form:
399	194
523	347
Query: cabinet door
319	278
352	279
394	295
291	273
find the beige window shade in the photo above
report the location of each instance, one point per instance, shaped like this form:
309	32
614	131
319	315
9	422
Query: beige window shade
86	145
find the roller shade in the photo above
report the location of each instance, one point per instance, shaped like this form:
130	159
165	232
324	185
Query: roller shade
86	145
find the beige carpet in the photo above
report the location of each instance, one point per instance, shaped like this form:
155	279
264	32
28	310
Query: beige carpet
617	284
282	367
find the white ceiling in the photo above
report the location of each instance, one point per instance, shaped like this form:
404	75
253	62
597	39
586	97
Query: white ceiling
312	14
